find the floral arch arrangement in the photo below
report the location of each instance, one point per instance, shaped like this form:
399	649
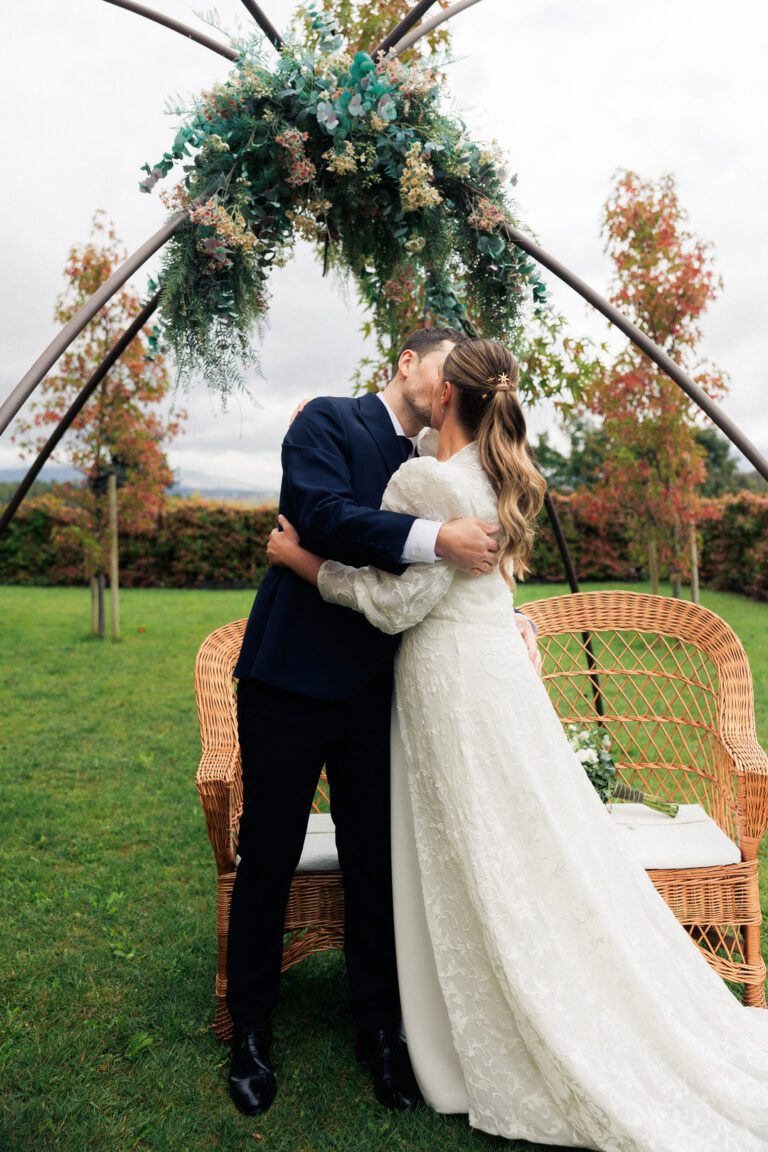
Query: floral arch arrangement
356	156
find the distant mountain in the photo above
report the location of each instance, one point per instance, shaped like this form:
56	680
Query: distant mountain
60	475
227	495
57	474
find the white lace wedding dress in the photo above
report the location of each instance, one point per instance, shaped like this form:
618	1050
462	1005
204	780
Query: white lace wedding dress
547	988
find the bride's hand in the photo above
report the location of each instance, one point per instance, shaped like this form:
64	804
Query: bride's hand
299	408
284	548
282	545
526	630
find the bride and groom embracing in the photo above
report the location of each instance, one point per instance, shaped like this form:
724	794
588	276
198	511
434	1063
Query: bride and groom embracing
544	986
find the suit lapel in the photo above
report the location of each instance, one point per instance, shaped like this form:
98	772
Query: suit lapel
377	421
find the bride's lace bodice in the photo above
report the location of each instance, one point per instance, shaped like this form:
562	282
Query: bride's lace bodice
434	490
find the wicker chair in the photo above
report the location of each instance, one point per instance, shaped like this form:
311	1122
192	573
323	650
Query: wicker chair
315	915
676	695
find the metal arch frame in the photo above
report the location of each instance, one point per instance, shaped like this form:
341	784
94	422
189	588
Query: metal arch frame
402	37
69	417
644	343
405	25
191	33
428	26
176	26
72	329
264	23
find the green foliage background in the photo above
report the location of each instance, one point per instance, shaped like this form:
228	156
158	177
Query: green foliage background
203	544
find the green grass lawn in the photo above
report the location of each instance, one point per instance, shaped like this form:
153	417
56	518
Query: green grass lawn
107	890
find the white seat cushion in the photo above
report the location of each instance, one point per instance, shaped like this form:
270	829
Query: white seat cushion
319	853
691	839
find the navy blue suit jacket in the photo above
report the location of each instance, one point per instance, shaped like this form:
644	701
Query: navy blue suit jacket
337	457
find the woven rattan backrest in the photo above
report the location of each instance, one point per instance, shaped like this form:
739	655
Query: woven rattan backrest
217	709
674	682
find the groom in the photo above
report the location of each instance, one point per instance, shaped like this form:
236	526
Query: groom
315	689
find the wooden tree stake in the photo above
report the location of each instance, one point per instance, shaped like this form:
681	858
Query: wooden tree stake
114	585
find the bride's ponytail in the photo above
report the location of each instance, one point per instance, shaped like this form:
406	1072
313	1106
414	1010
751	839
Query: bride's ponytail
485	375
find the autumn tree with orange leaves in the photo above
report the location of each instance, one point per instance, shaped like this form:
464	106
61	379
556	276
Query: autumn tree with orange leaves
121	430
665	278
365	25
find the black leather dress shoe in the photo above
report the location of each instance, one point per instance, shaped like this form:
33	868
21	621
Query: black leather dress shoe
386	1053
252	1083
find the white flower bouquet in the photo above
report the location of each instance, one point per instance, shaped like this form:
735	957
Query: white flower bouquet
593	748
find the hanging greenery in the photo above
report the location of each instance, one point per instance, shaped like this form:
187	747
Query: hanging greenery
354	155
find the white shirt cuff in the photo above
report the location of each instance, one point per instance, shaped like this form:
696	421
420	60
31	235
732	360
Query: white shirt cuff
419	548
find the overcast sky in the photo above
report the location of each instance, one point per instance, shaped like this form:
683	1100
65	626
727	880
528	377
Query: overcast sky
571	89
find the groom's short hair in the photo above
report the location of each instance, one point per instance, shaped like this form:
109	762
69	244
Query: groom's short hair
423	340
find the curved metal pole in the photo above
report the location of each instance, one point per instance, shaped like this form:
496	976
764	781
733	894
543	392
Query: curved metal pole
570	571
264	23
72	330
557	532
645	344
176	26
75	409
59	345
404	26
429	25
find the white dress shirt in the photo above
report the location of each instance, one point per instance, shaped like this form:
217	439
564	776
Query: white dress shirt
420	545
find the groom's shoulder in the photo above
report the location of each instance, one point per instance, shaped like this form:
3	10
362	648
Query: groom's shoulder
339	406
322	415
334	408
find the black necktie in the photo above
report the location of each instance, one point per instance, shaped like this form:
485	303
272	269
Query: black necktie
406	446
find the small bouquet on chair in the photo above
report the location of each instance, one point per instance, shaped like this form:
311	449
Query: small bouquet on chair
593	749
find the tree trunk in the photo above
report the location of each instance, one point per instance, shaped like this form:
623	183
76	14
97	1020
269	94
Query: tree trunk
101	613
695	596
100	533
94	604
114	579
653	560
674	574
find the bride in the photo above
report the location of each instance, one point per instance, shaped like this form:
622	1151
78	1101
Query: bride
547	989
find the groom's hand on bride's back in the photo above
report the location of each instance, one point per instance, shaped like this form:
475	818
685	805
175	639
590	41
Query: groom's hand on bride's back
468	544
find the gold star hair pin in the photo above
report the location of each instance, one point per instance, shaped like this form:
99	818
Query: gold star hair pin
502	382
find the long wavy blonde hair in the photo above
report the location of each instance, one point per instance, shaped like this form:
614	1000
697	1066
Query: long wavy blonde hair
485	375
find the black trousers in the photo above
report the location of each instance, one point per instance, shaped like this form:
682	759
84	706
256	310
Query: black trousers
285	740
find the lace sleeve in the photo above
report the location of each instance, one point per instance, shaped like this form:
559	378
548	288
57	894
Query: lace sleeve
394	603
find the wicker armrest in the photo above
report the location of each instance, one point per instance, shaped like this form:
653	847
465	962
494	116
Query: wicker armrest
218	775
751	768
220	790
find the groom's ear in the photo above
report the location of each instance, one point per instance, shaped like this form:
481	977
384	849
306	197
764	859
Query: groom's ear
406	361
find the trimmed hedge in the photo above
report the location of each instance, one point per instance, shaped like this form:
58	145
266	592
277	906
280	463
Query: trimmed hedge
199	544
194	544
599	551
735	553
